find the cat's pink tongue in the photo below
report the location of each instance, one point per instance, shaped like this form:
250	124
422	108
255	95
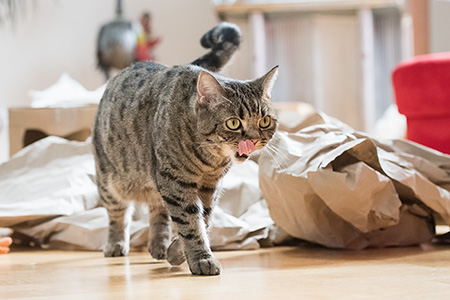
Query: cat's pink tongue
246	147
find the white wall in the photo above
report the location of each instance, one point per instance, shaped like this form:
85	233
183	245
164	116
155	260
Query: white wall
60	36
439	25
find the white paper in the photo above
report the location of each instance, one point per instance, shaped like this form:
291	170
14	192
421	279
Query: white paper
48	192
66	92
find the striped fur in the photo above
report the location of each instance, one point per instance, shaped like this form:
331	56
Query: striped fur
160	138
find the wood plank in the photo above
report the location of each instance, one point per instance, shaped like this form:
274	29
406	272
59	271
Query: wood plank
306	272
419	10
242	7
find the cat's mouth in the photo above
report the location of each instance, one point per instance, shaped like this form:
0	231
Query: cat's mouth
245	148
240	158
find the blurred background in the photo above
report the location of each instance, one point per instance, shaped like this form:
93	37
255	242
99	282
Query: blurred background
336	55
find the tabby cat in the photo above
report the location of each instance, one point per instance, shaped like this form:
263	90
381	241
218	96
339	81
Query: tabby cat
165	136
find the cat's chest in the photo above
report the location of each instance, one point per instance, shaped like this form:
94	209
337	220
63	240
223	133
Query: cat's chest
214	175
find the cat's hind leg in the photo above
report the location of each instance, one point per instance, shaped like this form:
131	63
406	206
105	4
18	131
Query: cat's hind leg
120	214
160	228
175	253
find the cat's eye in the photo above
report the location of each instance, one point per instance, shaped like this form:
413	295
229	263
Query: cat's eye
233	123
265	122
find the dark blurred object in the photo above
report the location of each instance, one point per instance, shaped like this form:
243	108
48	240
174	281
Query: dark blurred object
422	92
10	10
116	44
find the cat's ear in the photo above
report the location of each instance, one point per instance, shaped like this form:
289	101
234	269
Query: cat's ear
267	82
209	90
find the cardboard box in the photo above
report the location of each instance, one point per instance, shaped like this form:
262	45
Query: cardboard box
28	125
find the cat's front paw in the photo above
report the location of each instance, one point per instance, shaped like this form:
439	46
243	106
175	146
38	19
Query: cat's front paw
205	266
116	249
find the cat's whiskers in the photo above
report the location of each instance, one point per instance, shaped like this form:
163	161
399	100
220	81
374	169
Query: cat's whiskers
276	155
272	156
277	143
276	138
279	149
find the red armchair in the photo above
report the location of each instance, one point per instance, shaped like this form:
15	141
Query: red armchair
422	92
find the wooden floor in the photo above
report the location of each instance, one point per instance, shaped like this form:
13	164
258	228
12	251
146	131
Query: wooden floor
275	273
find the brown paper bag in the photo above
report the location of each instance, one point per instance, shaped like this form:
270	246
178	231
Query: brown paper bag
329	184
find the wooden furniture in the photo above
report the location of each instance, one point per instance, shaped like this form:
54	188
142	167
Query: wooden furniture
27	125
336	55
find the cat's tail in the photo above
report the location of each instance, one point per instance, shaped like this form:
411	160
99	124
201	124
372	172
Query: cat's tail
224	40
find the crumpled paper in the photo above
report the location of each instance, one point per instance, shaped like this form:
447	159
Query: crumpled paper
48	193
329	184
321	180
66	92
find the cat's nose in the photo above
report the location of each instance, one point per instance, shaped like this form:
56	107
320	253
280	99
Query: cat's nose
254	141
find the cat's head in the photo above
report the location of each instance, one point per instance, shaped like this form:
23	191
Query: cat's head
236	115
